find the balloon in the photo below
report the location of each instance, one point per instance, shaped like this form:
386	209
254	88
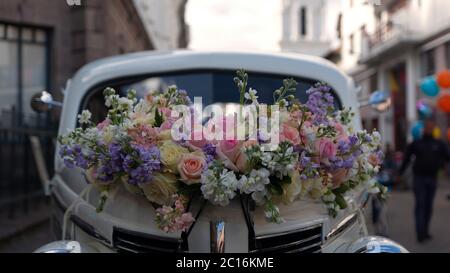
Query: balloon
417	130
430	87
443	103
424	109
443	79
437	133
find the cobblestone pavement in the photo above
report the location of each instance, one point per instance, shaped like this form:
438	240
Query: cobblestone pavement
400	217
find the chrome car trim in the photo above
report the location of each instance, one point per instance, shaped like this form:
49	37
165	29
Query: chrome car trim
275	248
342	226
306	248
217	236
288	232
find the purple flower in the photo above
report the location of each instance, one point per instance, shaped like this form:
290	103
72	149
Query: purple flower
353	140
141	163
344	146
304	161
74	156
320	103
210	151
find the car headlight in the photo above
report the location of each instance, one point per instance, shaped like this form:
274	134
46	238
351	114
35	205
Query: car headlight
374	244
62	247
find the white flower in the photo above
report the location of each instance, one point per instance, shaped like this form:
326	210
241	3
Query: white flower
330	197
85	117
219	191
251	95
125	104
110	99
255	182
260	197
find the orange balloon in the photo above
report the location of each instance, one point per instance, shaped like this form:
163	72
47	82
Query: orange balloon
443	103
443	79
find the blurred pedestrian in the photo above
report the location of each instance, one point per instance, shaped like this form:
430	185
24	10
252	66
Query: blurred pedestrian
430	156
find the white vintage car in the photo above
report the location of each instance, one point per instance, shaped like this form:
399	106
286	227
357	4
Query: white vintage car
126	225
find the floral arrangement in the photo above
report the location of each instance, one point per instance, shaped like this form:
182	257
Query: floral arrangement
318	154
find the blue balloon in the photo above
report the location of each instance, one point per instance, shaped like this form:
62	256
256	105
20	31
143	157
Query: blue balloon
430	86
425	112
417	130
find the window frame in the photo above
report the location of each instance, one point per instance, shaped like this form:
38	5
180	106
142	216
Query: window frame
99	87
19	43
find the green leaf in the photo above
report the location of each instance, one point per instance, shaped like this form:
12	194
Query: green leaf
342	189
340	201
159	119
275	188
188	190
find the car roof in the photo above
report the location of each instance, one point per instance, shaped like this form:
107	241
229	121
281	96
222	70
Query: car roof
145	63
148	62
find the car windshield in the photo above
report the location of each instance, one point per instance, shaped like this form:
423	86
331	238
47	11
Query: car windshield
211	86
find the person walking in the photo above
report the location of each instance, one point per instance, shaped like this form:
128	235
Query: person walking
430	156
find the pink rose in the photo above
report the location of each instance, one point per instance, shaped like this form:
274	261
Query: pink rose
168	123
230	148
326	149
290	134
191	167
339	177
242	159
374	160
197	140
166	112
228	152
221	126
104	124
143	135
341	133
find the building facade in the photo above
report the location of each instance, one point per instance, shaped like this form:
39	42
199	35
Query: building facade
43	43
391	45
165	22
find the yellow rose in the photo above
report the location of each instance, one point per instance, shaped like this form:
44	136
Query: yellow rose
171	154
161	188
108	135
143	118
314	188
164	135
133	189
292	191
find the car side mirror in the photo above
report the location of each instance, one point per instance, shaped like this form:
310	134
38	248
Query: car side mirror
380	101
43	102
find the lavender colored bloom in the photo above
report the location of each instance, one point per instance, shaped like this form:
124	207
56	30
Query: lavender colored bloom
210	152
69	163
353	140
305	161
319	103
348	162
343	146
141	164
73	156
367	138
336	163
110	163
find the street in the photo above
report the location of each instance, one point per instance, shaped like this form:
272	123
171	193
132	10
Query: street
400	217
